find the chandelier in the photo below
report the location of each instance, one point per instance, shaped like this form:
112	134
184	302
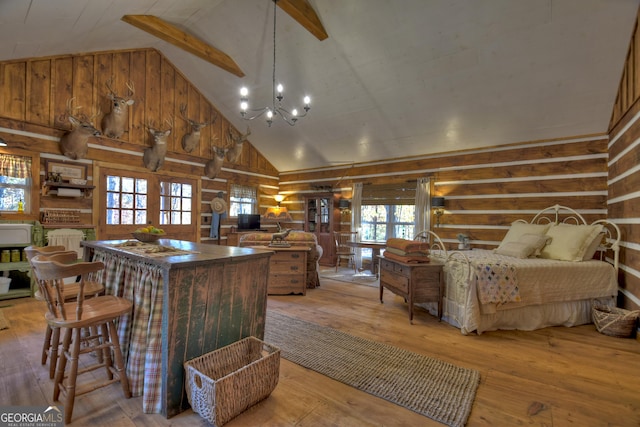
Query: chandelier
276	109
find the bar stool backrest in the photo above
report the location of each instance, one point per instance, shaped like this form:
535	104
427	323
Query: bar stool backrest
51	272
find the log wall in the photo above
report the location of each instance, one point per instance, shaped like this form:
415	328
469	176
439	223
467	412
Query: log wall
33	100
485	189
624	173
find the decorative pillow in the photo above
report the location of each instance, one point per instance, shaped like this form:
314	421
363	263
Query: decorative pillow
516	249
520	228
570	242
538	241
593	247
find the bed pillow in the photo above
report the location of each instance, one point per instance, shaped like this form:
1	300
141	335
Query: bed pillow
528	245
518	229
538	241
593	247
570	242
515	249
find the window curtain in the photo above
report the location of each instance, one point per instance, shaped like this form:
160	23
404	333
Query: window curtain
243	192
356	224
15	166
423	205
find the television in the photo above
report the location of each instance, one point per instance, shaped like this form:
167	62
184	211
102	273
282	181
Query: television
248	222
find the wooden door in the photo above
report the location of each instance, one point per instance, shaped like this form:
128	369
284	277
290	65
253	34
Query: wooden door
133	199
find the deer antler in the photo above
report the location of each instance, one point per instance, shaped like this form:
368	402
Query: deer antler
132	89
108	83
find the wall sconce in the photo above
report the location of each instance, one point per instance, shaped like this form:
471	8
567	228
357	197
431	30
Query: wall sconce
437	204
2	143
345	206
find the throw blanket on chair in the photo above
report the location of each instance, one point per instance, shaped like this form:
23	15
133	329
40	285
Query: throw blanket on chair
497	283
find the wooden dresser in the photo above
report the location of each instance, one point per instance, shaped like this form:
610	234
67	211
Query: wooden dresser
416	282
287	270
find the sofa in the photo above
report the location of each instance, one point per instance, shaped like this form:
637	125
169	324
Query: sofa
295	238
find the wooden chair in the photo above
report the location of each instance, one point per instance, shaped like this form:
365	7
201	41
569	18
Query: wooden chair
98	313
91	289
343	251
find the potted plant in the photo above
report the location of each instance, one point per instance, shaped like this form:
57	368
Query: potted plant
464	241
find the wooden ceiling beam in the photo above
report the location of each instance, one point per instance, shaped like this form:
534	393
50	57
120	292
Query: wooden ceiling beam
171	34
301	11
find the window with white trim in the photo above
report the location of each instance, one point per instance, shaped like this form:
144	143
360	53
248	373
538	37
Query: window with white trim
242	200
15	182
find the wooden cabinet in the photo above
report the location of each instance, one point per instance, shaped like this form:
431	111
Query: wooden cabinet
322	216
288	270
416	283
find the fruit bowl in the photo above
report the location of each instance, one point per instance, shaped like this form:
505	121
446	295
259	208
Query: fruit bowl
147	237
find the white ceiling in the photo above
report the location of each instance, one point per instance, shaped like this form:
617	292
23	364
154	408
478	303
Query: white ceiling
394	78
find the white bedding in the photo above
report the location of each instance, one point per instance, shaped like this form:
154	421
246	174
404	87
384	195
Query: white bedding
551	293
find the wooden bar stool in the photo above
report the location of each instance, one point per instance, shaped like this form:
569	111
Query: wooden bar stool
71	289
98	313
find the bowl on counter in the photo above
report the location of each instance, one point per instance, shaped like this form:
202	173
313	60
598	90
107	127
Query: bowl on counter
147	237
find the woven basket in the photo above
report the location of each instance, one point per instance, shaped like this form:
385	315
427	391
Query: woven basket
225	382
614	321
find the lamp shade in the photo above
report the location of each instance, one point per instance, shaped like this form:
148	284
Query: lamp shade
277	213
437	202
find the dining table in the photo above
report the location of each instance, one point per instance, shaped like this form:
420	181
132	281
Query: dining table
375	246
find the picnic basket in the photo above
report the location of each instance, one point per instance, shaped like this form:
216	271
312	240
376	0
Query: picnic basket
614	321
225	382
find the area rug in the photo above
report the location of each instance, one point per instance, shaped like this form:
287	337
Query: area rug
428	386
351	277
4	323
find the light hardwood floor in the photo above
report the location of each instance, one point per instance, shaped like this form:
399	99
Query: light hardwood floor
551	377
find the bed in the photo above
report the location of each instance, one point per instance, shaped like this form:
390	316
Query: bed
545	272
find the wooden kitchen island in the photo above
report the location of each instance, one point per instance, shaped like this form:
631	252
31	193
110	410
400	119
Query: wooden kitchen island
189	299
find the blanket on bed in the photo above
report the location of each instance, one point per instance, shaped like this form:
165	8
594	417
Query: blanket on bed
497	283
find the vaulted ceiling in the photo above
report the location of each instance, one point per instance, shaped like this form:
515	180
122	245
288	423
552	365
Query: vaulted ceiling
393	78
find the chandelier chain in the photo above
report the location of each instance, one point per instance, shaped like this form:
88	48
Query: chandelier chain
276	108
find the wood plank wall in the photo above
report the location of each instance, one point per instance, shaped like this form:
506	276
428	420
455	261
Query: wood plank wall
485	189
624	173
33	98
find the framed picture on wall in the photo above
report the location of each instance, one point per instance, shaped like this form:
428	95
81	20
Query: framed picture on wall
65	171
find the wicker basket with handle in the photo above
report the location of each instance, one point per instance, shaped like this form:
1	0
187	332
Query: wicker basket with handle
225	382
614	321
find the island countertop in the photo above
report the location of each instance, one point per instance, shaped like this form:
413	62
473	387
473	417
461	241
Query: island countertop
175	253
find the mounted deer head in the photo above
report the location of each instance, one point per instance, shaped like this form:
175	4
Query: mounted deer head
235	150
153	157
213	167
75	143
114	122
191	140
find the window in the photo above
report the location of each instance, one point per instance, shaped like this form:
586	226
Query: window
15	182
381	222
388	210
243	200
126	200
175	203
